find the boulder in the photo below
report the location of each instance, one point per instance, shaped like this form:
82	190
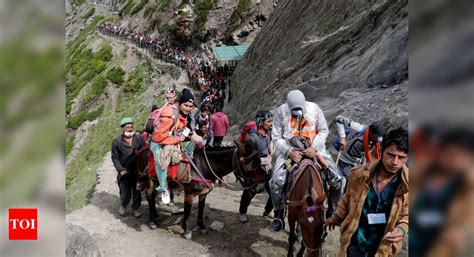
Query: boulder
79	242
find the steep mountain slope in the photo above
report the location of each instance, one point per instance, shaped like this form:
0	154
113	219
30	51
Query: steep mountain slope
348	56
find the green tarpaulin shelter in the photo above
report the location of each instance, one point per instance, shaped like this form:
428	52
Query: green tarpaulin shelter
230	53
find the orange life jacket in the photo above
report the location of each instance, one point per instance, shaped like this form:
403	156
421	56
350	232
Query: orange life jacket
307	129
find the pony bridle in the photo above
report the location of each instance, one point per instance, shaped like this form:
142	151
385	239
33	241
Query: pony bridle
240	168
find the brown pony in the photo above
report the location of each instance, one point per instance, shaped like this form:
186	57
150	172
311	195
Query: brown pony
211	164
305	198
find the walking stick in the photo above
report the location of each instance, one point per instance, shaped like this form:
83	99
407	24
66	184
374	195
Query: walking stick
338	156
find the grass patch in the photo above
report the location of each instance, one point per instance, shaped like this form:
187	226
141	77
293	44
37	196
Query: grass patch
240	10
73	47
134	81
76	121
77	2
164	5
89	13
69	145
97	89
183	3
139	7
84	67
126	8
105	53
115	75
202	11
149	10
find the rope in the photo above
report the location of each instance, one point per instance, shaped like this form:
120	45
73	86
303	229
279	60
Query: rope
213	173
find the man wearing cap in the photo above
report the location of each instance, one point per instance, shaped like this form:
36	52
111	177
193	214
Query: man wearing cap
357	147
173	120
123	158
262	140
300	119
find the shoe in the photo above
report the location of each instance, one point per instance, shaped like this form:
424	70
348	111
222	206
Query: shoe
165	196
140	186
122	211
276	225
243	218
152	225
137	214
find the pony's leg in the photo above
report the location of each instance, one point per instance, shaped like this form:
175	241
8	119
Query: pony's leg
150	197
188	204
200	221
301	251
292	237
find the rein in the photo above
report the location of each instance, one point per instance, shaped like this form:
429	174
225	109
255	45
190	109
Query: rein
238	170
217	177
204	180
137	153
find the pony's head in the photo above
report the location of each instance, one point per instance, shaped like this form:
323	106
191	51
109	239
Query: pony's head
249	171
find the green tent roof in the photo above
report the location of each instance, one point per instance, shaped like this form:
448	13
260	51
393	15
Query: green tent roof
230	53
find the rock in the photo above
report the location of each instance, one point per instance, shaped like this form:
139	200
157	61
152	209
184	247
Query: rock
79	242
323	54
217	226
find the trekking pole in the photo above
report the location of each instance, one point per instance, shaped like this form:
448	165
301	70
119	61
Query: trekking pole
338	156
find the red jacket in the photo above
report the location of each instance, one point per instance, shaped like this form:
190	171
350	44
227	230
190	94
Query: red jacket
219	124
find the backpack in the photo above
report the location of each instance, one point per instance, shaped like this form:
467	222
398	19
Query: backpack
152	120
154	117
248	128
336	142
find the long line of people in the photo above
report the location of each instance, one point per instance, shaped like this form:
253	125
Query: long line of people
210	81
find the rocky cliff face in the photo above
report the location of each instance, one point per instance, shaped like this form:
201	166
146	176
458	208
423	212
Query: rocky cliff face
348	56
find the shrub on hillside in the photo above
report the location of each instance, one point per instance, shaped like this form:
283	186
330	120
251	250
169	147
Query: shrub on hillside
139	7
89	13
164	5
149	10
126	8
115	75
105	53
134	82
240	10
76	121
202	10
97	89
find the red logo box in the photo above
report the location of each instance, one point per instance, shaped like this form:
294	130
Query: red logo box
22	224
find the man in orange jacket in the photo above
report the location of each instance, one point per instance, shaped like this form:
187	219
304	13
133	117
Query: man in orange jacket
173	120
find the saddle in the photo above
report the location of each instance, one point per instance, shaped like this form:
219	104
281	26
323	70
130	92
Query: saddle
317	187
180	172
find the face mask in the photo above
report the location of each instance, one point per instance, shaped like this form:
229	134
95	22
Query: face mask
129	133
297	113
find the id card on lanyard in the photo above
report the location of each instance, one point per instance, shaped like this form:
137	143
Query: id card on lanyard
379	218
